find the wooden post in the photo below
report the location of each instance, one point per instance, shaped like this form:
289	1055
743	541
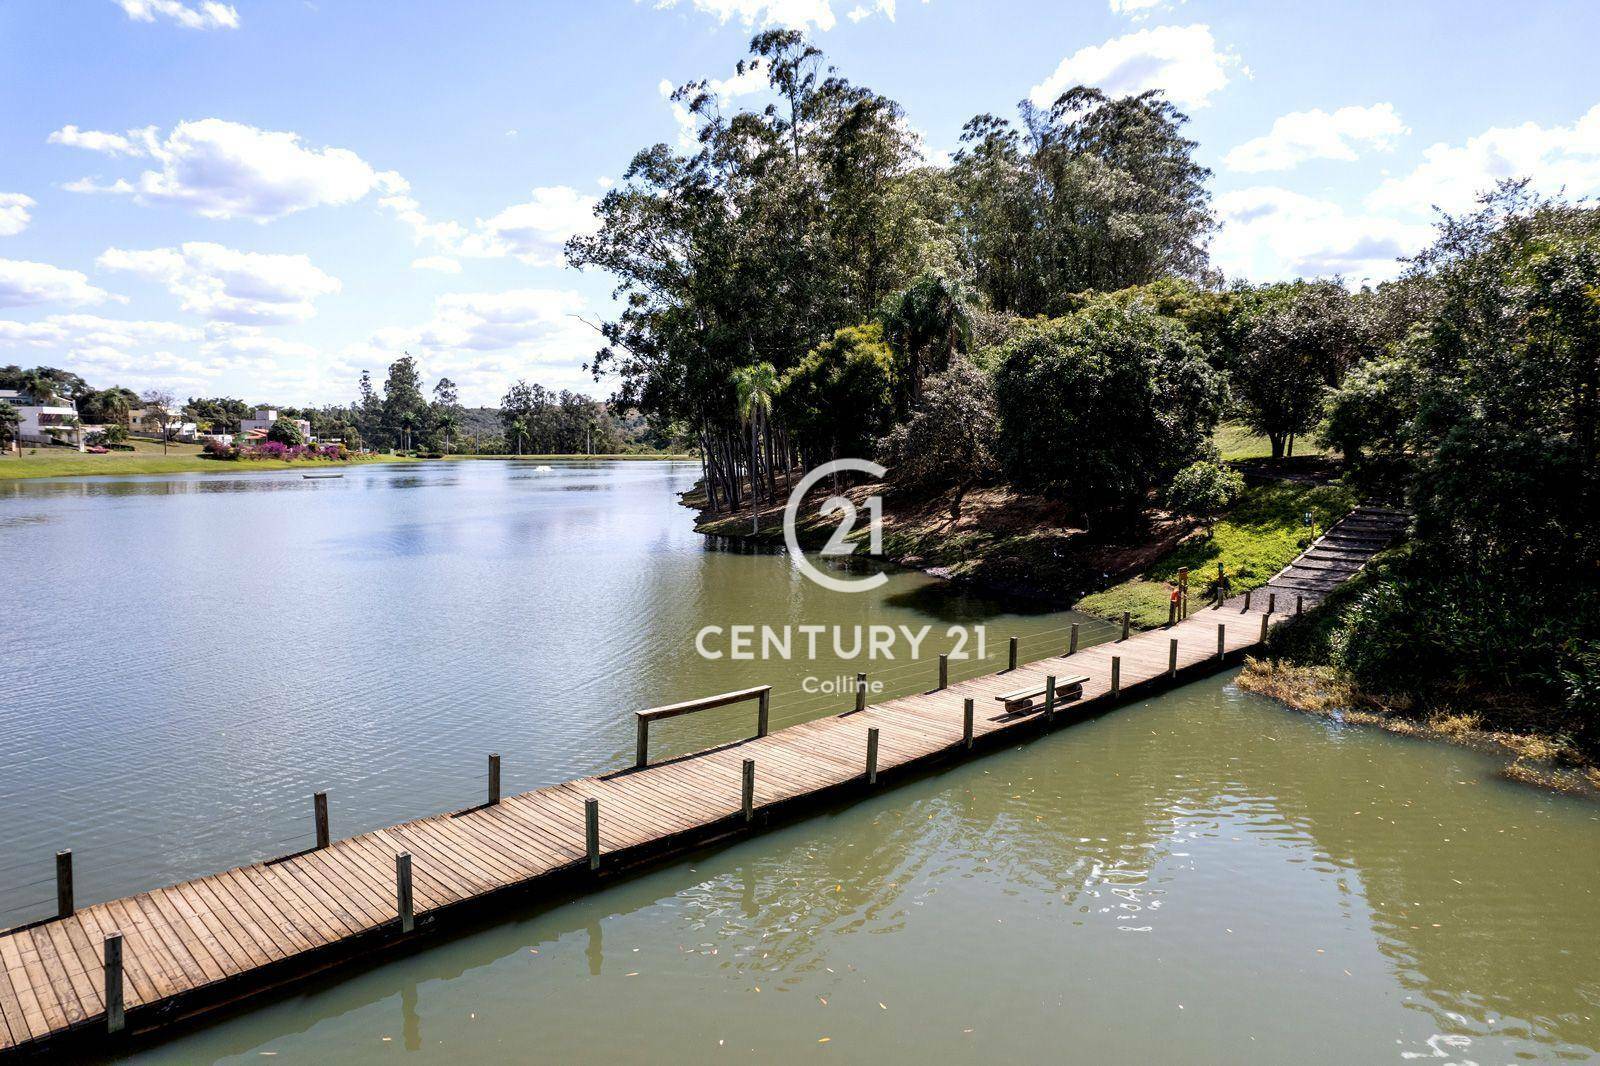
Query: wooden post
1222	641
64	905
591	831
966	722
1072	642
1116	675
1218	604
1172	657
1172	612
1183	593
113	962
861	692
1050	698
872	755
1012	653
1247	593
402	892
1272	602
747	802
1264	620
944	671
641	745
494	779
1125	618
1299	605
319	813
763	708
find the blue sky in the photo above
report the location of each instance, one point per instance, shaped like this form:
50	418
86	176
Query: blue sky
260	198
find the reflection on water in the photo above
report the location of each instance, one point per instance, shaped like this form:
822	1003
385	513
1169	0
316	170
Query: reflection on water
1202	878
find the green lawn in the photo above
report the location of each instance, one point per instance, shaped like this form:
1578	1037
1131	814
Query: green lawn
1253	541
146	458
1235	441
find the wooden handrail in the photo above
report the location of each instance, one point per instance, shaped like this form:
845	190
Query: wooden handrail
762	693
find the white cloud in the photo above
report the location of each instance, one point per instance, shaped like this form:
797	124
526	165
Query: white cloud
1316	134
1182	61
442	263
533	231
79	330
1269	233
486	340
1452	176
226	170
207	15
14	214
796	14
1139	10
134	142
28	284
227	285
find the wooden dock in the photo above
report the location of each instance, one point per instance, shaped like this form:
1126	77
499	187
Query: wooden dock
98	975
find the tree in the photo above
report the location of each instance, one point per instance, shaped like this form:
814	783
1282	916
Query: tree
1203	491
838	399
926	325
1369	419
444	415
1094	192
754	387
520	411
106	407
285	432
9	421
1100	406
1499	588
1299	341
781	227
404	410
951	438
223	413
158	412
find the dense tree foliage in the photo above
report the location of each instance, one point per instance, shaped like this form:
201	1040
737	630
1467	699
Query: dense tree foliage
950	440
1101	406
1093	193
1495	406
1204	490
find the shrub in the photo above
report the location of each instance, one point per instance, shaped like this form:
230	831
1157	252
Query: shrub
1204	490
284	432
269	449
950	439
1099	406
217	449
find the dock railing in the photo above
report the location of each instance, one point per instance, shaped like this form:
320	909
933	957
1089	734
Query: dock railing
761	693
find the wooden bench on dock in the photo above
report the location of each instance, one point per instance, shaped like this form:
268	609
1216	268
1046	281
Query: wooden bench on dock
1067	688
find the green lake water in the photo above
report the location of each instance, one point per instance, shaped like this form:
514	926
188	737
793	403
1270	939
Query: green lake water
1202	877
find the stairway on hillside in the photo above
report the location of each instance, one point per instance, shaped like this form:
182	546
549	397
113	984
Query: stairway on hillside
1339	553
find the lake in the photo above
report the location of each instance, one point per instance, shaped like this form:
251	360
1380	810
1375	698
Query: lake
1203	876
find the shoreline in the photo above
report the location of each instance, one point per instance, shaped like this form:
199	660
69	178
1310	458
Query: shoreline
136	465
1533	758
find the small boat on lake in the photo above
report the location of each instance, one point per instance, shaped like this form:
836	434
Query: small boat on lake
319	477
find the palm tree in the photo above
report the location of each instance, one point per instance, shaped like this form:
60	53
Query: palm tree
933	315
754	386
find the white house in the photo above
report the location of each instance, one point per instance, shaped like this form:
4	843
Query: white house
43	420
256	428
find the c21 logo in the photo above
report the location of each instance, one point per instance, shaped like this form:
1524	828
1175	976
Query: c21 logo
839	543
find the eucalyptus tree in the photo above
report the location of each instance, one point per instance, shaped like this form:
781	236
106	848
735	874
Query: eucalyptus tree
780	227
1093	192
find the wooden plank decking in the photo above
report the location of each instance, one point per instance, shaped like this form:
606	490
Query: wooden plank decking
197	945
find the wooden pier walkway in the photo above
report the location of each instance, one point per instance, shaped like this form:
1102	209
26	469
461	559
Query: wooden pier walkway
102	972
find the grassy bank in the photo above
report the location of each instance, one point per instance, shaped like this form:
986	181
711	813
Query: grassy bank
643	457
147	458
1262	533
1537	756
